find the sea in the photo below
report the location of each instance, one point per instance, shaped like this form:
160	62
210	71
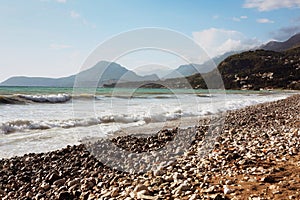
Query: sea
42	119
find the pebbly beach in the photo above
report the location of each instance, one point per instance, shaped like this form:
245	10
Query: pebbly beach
250	153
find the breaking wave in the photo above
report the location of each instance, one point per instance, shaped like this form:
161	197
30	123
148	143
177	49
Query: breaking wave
63	98
24	99
27	125
57	98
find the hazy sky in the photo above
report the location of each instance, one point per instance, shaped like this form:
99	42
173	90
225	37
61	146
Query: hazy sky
53	37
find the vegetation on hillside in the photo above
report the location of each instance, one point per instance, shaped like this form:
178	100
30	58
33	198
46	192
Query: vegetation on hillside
262	69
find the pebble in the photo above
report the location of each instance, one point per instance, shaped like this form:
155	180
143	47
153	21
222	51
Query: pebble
73	182
29	194
143	196
59	182
64	195
53	177
140	187
114	192
2	192
159	172
45	186
268	179
227	190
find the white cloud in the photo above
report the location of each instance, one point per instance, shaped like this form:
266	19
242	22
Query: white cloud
216	17
58	1
238	19
219	41
74	14
264	21
60	46
266	5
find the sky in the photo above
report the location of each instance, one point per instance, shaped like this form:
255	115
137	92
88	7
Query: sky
53	38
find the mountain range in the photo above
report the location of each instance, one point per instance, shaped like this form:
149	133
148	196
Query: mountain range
275	64
111	73
102	73
190	69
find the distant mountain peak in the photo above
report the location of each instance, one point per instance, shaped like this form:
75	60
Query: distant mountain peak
192	68
292	42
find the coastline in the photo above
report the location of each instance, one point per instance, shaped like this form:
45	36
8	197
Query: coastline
256	155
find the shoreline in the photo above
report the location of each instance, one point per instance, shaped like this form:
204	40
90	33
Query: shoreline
153	128
255	155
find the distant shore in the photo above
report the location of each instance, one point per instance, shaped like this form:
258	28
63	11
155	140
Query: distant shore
255	155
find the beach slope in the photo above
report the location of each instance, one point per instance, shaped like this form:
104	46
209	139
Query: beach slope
255	156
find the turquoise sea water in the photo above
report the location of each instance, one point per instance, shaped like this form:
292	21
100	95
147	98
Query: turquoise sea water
100	91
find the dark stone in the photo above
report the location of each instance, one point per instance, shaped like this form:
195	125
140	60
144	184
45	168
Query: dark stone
26	178
64	195
85	195
221	197
53	177
269	179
